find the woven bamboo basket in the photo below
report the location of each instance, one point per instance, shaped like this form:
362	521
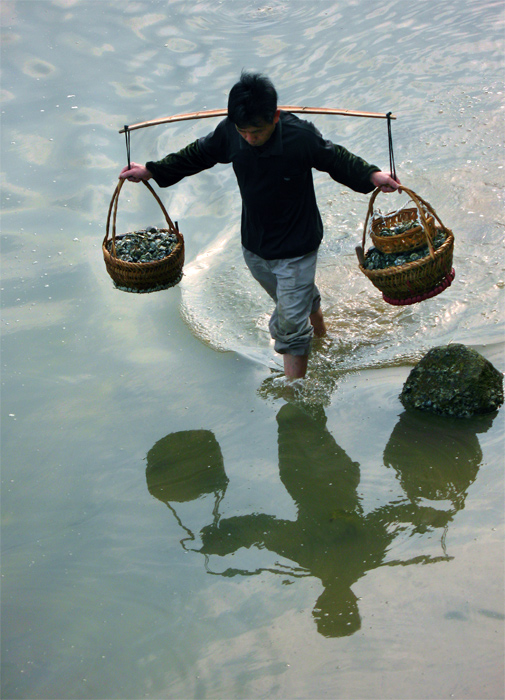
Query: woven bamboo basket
418	280
142	276
402	242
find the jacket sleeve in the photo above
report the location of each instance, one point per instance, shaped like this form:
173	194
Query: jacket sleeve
175	166
200	155
343	166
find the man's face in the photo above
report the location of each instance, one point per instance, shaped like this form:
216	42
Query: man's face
259	134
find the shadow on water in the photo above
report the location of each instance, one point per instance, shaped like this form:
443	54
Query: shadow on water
332	538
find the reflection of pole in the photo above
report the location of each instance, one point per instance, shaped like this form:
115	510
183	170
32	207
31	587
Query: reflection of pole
223	113
294	571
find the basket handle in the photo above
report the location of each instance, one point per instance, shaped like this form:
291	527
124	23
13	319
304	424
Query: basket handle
113	207
422	205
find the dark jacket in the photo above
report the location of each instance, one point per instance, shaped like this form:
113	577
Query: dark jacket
280	217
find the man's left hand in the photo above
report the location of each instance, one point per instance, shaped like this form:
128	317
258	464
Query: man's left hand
384	181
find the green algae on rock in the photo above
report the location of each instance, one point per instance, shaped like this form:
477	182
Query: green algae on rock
453	380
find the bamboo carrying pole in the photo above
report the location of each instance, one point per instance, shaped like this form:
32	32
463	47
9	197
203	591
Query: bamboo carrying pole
224	112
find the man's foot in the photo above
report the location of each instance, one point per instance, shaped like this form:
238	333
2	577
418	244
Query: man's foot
317	322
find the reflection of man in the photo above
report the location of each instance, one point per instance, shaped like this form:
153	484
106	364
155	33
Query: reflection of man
328	539
331	538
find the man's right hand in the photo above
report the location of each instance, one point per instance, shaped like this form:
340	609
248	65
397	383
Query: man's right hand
135	173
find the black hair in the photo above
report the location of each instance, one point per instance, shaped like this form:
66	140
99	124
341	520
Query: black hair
252	100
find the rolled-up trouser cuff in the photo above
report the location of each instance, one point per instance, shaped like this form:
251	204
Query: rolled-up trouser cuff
290	283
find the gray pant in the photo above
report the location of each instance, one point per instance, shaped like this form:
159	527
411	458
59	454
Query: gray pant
290	283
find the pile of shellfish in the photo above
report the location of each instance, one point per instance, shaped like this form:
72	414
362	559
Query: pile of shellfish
144	245
376	260
399	228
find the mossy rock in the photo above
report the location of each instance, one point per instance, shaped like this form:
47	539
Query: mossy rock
453	380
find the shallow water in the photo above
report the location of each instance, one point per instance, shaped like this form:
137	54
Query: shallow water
316	542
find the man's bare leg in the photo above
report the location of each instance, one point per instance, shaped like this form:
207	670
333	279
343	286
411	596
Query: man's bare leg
295	366
317	323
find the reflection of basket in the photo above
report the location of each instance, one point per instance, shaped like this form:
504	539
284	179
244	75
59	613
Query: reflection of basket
142	276
184	466
402	242
420	279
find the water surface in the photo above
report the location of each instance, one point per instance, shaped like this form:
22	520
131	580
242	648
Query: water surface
175	522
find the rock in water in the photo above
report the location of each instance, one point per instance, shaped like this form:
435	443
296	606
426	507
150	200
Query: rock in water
453	380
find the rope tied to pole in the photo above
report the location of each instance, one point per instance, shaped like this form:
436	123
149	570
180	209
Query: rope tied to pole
127	134
392	167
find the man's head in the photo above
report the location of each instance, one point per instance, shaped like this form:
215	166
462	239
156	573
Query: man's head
252	107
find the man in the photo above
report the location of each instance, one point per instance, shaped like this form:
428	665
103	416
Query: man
273	154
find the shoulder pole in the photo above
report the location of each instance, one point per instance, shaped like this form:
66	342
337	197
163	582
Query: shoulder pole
286	108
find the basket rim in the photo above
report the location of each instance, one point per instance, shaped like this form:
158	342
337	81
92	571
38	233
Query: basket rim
399	236
400	269
376	216
425	209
